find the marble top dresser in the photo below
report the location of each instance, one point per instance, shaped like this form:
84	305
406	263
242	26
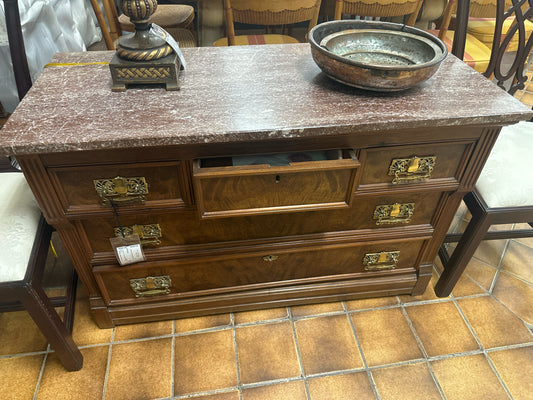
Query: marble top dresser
261	183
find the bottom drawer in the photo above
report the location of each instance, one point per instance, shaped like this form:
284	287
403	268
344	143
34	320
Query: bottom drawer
155	281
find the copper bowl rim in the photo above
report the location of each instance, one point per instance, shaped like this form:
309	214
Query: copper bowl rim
345	25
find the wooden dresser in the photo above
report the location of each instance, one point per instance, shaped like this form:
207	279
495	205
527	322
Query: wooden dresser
261	183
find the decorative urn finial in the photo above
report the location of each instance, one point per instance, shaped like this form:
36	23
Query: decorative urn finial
143	44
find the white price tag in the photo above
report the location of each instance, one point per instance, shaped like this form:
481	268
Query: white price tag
128	249
130	254
163	34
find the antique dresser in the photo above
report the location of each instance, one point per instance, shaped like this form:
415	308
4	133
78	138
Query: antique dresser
261	183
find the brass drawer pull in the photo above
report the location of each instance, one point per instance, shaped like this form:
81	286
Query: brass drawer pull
121	190
151	286
384	260
394	213
414	169
149	234
270	258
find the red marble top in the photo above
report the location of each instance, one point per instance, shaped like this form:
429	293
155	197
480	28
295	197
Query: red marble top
235	94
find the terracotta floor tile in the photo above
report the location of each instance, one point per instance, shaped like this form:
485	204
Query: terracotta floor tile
19	375
354	386
87	383
85	331
515	366
441	329
516	295
385	336
406	382
466	286
143	331
204	362
490	251
19	334
233	395
327	344
316	309
493	324
260	315
367	304
518	260
199	323
267	352
290	390
140	370
480	272
468	378
528	241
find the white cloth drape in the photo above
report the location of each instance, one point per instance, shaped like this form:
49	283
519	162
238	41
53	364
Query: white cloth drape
48	27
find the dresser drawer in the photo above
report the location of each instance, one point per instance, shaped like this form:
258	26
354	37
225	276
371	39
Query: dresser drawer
184	228
401	165
90	188
222	273
274	183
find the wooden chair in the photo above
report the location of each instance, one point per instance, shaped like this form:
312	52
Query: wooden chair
26	236
268	13
379	9
480	31
504	190
176	19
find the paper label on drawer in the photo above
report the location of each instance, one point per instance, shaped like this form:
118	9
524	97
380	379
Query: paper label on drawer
128	249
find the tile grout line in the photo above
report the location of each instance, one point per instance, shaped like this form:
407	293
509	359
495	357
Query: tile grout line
108	364
32	353
482	348
499	266
298	354
234	336
528	326
424	353
365	365
41	372
173	359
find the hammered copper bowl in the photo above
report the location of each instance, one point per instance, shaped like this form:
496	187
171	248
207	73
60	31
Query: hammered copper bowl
375	55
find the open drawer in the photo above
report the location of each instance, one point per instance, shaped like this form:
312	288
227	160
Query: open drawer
273	183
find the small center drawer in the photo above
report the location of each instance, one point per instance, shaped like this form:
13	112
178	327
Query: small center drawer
152	281
273	183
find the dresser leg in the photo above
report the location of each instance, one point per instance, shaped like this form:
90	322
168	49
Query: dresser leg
100	313
424	276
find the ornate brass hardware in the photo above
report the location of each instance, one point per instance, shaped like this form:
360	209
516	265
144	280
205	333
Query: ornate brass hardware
149	234
381	261
394	213
121	190
414	169
270	258
151	286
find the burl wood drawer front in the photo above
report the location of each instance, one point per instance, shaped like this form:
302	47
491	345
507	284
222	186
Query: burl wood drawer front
92	188
400	165
157	281
184	228
244	188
